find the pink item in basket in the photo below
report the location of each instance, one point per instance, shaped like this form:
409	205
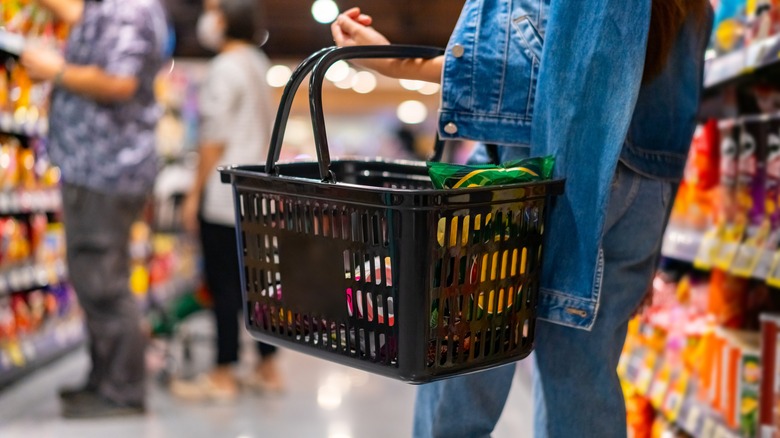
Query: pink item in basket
368	297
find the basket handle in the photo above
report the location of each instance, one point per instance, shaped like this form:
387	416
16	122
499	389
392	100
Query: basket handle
318	64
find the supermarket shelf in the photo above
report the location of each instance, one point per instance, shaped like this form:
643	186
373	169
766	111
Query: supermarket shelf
28	127
24	356
692	416
700	421
681	244
11	43
29	201
736	65
31	276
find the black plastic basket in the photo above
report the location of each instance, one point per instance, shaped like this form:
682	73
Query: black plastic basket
379	271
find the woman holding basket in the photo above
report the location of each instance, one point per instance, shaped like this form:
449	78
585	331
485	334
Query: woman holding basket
590	83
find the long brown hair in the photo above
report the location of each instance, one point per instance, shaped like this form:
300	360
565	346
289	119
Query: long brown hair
666	19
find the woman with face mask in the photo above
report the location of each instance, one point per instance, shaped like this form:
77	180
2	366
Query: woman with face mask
236	121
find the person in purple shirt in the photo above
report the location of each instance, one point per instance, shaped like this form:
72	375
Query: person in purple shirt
101	135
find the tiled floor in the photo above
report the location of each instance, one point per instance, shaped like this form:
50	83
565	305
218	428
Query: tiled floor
322	400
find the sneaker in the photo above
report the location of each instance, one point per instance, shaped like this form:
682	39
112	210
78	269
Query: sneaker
92	405
70	393
203	388
266	378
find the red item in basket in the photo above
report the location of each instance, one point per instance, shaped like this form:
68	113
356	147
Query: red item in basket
769	414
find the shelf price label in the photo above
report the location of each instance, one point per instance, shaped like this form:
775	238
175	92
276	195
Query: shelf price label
15	354
708	428
773	279
693	419
746	260
709	248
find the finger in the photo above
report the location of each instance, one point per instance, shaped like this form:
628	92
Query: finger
352	12
349	26
24	58
364	19
337	33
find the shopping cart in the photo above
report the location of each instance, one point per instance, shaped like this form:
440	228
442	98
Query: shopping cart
365	264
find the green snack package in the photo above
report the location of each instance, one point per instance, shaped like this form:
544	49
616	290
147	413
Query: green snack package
455	176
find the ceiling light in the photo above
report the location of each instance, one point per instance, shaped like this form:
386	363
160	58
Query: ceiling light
411	85
429	88
324	11
346	83
412	112
278	75
338	71
364	82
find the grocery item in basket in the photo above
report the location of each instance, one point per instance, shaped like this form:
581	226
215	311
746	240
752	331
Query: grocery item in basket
455	176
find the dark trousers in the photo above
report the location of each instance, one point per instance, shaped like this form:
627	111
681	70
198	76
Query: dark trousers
221	267
97	228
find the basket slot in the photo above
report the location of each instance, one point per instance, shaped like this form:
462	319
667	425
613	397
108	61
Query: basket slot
376	231
317	220
362	344
364	221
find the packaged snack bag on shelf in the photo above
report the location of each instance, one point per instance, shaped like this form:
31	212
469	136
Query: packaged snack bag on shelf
747	407
713	394
771	200
703	167
727	299
758	21
742	380
7	320
751	195
693	205
9	163
22	314
730	26
720	243
639	415
769	414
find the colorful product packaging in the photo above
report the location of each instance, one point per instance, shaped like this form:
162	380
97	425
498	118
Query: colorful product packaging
721	242
738	379
730	26
751	195
727	304
455	176
769	263
769	414
693	204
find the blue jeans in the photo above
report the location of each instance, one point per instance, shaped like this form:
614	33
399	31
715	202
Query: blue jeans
576	388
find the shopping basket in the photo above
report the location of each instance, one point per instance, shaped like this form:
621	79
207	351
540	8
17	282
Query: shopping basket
365	264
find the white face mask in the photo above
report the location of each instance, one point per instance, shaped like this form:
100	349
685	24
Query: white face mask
210	36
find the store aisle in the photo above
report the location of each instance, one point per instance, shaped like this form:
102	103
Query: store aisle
322	400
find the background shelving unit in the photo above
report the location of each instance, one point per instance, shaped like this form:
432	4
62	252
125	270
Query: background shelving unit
39	316
696	356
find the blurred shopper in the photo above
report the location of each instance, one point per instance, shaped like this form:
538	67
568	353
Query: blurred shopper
236	120
101	135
